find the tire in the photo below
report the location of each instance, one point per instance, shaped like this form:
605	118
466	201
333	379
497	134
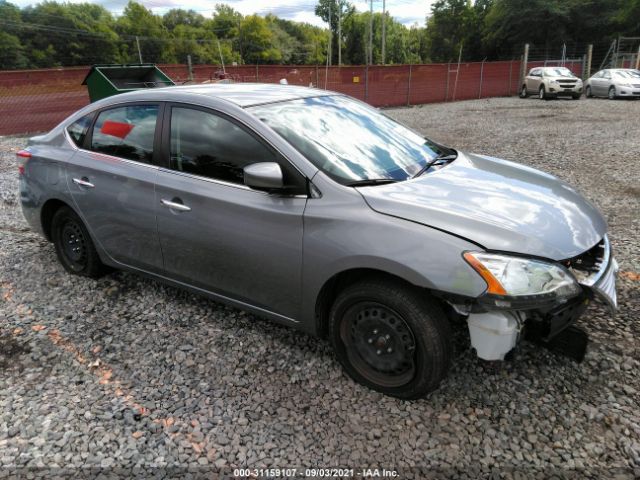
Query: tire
576	96
523	92
588	93
391	337
542	93
611	94
73	244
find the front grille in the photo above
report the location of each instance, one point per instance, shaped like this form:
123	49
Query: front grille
567	82
588	265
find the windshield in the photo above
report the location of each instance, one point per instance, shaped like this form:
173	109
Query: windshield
628	74
558	72
349	140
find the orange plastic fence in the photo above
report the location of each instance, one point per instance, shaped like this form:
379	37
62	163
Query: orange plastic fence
36	100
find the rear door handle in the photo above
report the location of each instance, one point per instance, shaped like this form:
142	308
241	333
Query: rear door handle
175	205
83	182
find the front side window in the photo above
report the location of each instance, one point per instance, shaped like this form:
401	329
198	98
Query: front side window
209	145
78	129
348	140
126	132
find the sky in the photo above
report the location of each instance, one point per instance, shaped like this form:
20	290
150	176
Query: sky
407	12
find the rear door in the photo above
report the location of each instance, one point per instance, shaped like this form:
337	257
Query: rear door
218	234
112	178
533	80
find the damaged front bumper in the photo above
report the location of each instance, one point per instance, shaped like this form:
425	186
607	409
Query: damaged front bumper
495	332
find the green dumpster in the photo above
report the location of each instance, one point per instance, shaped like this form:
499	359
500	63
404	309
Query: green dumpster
106	80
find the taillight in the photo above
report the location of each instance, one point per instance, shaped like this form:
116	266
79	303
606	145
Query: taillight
23	156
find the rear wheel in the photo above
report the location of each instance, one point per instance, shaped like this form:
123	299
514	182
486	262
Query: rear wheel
73	244
391	337
612	93
523	92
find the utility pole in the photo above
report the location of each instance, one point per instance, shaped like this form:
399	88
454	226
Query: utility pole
139	52
525	60
189	67
330	38
587	72
383	27
638	59
339	32
371	32
221	58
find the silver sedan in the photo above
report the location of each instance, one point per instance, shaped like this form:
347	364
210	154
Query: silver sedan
614	83
317	211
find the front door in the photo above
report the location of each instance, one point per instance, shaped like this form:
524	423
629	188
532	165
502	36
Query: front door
215	232
112	178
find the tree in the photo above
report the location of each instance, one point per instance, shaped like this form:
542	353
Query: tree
12	53
177	16
256	41
511	23
332	12
450	26
137	21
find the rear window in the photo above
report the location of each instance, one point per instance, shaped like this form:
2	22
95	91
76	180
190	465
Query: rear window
78	129
126	132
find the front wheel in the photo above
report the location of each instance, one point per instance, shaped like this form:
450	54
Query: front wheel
612	93
576	96
542	93
588	92
391	337
73	244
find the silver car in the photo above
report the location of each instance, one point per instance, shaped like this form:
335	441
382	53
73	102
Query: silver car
614	83
317	211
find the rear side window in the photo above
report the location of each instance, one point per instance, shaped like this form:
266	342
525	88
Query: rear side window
78	129
126	132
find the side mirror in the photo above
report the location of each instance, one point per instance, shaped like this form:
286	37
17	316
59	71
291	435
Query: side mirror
263	176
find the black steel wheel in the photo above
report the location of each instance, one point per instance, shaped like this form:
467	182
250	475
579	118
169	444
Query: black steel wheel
391	337
74	247
379	343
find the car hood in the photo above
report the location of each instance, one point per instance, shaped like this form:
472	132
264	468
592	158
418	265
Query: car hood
497	204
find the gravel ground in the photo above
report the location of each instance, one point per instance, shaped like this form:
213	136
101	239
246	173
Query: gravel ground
124	375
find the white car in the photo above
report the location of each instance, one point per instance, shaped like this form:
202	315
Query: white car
614	83
551	82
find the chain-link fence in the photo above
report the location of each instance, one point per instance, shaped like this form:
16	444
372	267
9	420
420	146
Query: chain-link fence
36	100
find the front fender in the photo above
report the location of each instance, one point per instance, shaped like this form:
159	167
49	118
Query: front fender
342	234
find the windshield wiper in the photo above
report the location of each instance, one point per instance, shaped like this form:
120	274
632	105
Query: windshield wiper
440	158
370	181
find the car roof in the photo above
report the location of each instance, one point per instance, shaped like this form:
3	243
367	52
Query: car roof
241	94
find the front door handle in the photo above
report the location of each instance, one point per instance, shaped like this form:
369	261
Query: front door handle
83	182
175	205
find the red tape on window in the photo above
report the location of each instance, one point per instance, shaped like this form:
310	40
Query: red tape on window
116	129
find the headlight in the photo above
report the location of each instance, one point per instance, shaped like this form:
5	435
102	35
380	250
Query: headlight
522	278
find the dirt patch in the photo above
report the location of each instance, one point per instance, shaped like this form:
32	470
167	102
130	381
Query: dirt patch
11	349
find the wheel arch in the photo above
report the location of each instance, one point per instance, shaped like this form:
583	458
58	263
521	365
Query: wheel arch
341	280
48	210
